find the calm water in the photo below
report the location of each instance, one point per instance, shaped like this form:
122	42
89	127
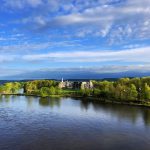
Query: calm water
28	123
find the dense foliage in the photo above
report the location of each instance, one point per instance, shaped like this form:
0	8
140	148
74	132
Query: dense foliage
42	87
11	87
124	89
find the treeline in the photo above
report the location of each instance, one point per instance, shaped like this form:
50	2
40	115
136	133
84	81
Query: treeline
42	87
11	87
124	89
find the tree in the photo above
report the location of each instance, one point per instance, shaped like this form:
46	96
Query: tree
85	92
44	91
10	88
146	92
96	92
123	81
58	91
118	91
52	90
132	93
2	89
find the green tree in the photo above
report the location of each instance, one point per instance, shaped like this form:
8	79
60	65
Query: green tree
132	93
96	92
44	91
58	91
86	92
52	90
146	92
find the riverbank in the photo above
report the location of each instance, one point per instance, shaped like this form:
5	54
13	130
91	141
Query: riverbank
91	99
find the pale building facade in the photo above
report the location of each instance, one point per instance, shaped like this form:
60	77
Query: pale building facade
76	84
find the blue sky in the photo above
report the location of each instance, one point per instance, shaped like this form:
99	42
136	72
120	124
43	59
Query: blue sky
105	35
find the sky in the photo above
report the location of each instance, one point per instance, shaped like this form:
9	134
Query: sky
102	36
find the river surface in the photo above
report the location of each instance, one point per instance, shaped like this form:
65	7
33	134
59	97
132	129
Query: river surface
30	123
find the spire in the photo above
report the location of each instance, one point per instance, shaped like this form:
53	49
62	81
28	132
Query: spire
62	80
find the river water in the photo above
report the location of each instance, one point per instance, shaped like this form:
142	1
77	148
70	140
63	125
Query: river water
31	123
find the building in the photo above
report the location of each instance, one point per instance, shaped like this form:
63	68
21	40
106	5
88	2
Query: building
62	84
87	85
76	84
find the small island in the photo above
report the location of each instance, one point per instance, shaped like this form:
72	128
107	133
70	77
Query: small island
130	91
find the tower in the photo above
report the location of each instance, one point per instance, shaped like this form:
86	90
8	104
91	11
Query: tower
62	80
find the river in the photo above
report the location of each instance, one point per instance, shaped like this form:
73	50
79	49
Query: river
31	123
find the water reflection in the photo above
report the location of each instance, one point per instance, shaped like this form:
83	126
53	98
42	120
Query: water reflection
28	123
51	102
146	116
121	112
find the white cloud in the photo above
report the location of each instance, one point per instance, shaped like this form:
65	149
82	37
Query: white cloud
127	19
102	69
133	55
31	47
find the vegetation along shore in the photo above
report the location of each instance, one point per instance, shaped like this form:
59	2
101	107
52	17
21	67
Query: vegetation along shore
133	91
